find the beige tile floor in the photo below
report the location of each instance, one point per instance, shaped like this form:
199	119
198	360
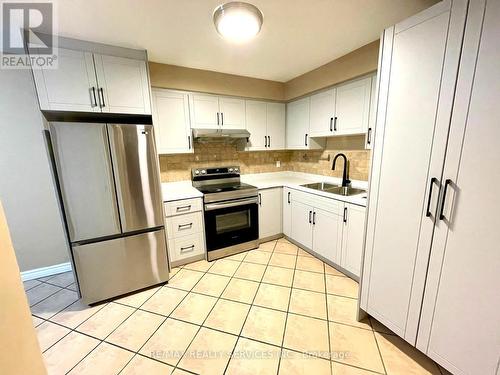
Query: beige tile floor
274	310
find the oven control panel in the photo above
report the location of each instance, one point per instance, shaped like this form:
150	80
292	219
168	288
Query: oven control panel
220	172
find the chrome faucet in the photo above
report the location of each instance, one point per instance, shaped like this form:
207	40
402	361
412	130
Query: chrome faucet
345	173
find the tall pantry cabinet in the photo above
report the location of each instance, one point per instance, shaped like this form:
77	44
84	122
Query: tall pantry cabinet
432	259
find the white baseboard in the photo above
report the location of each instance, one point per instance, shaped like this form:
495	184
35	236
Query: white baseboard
45	271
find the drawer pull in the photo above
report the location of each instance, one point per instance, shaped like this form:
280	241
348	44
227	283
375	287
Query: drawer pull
183	208
187	249
185	226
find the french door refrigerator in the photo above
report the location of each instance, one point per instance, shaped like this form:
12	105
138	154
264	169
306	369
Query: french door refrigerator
110	190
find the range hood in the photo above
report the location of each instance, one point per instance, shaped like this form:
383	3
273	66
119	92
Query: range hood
230	135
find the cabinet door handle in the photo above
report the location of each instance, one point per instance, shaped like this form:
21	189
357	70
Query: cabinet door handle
314	218
345	214
217	118
260	199
335	124
182	226
189	142
101	97
265	141
288	197
305	139
427	211
331	124
310	213
443	202
369	137
93	104
269	142
183	208
222	118
186	248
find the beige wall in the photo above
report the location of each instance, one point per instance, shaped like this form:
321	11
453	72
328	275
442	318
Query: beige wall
19	349
357	63
181	78
27	189
178	167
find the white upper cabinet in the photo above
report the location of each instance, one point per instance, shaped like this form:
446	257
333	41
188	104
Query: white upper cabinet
297	126
373	114
87	82
171	122
212	112
256	119
123	85
70	87
352	238
266	124
275	126
232	113
322	114
204	111
352	107
270	212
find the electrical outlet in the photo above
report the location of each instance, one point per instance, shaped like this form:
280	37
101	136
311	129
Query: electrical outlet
278	164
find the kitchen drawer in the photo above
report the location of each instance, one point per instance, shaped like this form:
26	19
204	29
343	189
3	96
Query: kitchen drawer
317	201
186	247
184	225
184	206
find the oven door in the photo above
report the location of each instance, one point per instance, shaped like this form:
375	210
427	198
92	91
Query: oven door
231	222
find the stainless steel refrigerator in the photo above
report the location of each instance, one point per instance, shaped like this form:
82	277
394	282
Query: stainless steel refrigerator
110	189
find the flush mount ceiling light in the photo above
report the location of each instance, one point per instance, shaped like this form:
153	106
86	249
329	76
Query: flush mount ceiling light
238	22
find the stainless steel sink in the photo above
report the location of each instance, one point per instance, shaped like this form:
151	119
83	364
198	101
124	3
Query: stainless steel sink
323	186
334	189
346	191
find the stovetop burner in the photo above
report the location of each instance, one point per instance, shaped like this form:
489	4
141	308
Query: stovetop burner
221	183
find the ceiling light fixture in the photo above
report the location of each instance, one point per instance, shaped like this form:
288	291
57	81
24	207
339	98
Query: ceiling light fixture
238	22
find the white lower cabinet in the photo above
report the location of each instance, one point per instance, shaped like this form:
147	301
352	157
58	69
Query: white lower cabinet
327	234
352	237
331	228
270	212
302	223
185	232
287	212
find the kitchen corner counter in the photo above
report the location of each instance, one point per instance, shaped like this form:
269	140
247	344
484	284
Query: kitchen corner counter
293	180
174	191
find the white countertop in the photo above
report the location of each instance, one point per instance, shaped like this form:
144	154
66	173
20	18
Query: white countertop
295	179
173	191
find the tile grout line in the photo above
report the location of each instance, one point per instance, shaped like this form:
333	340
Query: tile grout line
286	316
379	352
218	298
248	313
328	323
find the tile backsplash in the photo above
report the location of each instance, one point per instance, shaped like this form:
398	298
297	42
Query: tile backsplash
178	167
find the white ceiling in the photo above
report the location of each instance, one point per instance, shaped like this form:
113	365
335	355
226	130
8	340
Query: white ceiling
297	35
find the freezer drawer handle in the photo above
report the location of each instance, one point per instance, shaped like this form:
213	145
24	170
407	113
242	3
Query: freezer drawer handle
185	226
183	208
190	248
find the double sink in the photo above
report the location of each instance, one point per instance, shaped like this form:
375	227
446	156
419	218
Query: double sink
334	189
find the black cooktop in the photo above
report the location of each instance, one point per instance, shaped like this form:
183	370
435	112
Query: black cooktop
220	188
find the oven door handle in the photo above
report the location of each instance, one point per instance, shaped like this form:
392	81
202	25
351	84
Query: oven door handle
235	203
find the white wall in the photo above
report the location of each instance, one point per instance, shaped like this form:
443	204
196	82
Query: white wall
26	185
